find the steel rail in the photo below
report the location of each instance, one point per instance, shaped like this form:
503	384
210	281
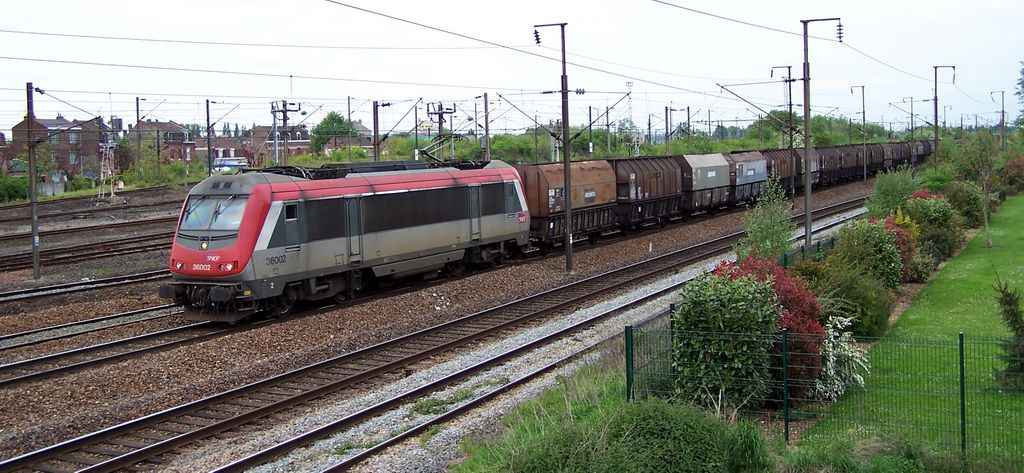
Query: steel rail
79	323
79	358
34	292
90	228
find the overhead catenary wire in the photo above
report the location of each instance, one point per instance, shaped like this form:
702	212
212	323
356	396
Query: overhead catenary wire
254	74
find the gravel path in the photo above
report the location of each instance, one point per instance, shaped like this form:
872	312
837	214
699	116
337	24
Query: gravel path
35	414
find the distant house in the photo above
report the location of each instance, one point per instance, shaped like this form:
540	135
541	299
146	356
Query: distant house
5	157
175	141
289	143
71	146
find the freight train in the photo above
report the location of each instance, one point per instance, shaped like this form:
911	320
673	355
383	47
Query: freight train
261	240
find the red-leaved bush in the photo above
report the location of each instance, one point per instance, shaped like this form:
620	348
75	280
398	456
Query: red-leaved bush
801	313
794	295
905	243
925	194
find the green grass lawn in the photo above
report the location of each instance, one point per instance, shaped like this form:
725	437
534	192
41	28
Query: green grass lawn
913	391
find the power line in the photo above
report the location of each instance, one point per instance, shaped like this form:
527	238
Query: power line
733	20
793	33
518	50
249	73
229	43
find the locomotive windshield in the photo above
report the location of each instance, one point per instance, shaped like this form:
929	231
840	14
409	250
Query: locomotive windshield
213	213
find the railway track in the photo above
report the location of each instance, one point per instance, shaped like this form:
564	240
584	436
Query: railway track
405	432
66	200
89	251
57	289
87	212
79	358
143	442
92	228
57	332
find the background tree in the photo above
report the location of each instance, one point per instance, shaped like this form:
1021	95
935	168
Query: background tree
124	158
1012	377
332	126
1020	94
767	225
980	163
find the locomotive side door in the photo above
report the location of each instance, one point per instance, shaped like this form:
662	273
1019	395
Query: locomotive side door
354	224
474	213
291	227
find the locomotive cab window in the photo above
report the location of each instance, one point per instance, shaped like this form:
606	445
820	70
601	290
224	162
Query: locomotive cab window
205	212
291	211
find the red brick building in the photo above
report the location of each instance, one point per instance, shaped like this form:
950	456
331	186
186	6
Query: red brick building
263	144
175	141
71	147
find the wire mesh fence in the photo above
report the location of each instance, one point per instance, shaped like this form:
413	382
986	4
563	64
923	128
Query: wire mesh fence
819	247
938	393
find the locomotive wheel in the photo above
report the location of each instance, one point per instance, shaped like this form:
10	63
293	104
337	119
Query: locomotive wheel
285	304
455	268
498	262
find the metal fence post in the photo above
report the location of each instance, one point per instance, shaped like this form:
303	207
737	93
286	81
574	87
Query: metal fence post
672	334
963	403
629	363
785	383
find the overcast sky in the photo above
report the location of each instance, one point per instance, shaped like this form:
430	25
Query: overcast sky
672	56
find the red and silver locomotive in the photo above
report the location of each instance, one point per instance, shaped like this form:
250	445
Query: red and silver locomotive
261	240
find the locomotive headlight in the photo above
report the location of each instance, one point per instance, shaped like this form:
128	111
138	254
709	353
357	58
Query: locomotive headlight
179	264
229	266
203	245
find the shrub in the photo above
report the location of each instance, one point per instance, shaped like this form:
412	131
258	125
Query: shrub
793	294
871	302
715	368
903	219
1013	174
1011	378
803	357
13	188
800	315
657	436
842	361
747	450
940	234
925	194
935	179
906	244
892	189
921	267
966	198
768	228
870	243
81	183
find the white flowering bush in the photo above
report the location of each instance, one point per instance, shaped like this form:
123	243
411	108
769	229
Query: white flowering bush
843	363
